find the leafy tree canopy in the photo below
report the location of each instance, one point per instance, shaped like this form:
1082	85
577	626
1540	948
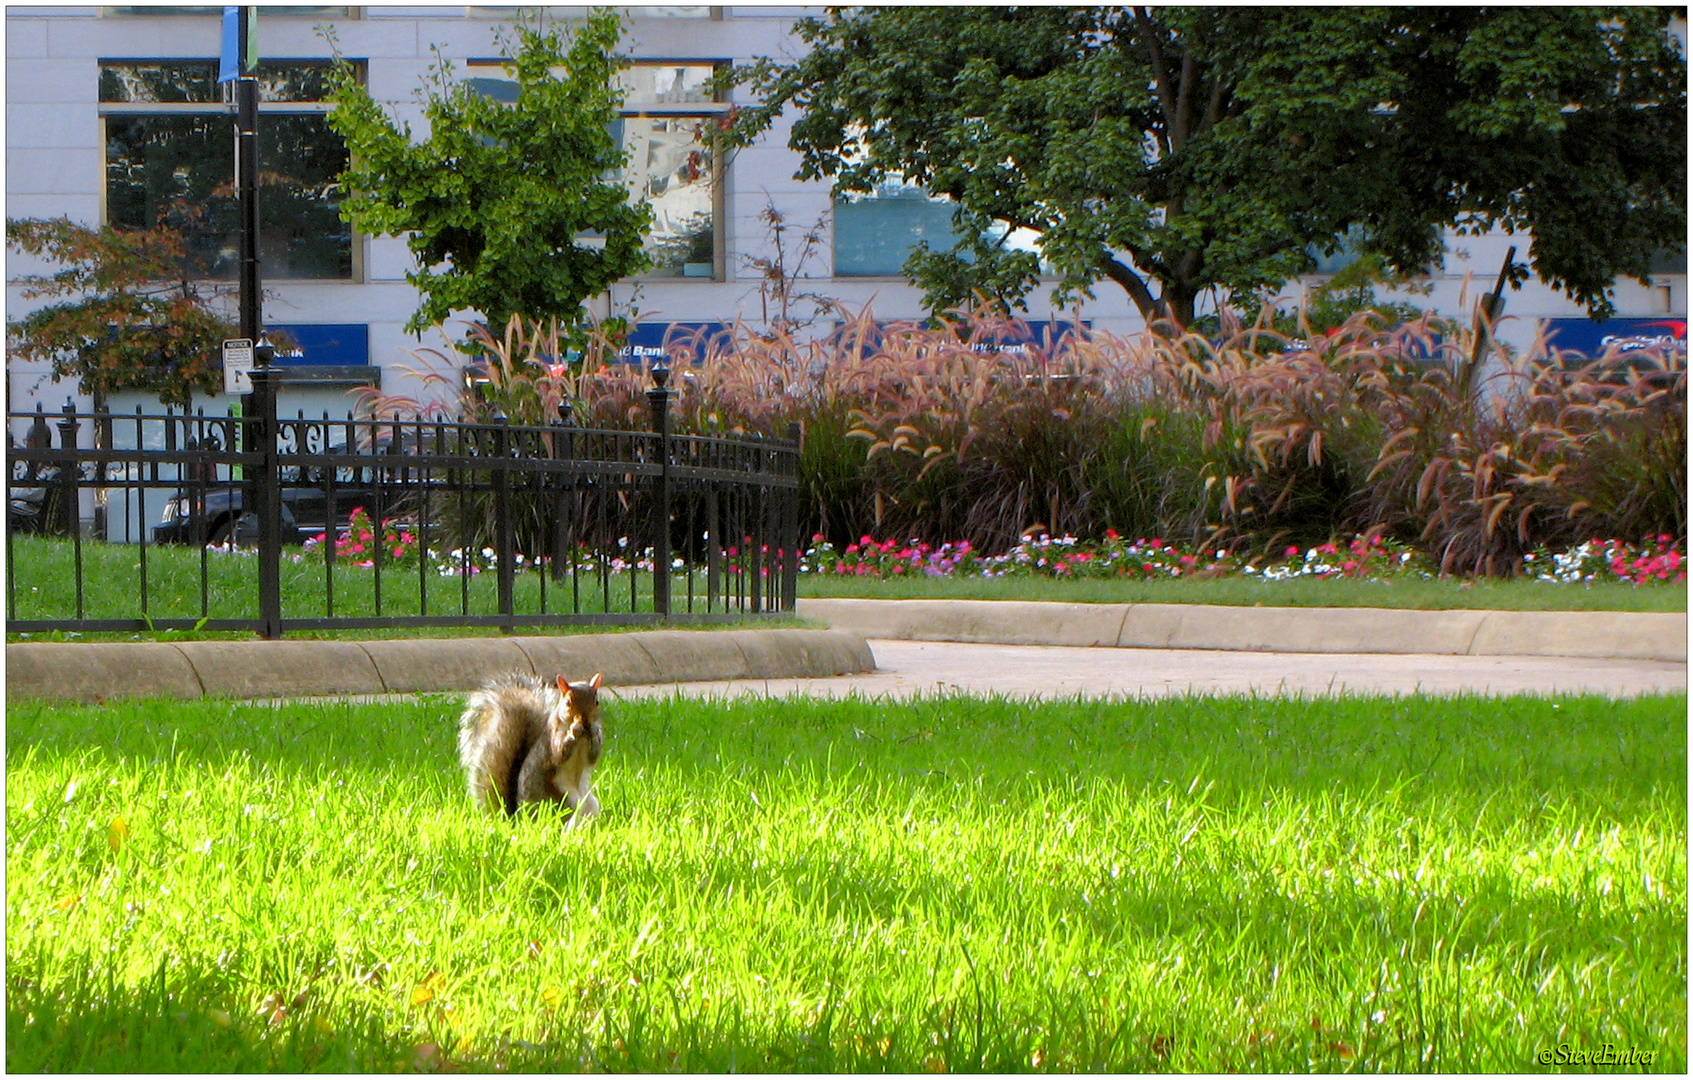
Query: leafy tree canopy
132	317
1179	150
493	200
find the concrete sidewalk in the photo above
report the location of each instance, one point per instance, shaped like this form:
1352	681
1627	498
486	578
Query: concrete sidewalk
1595	634
906	669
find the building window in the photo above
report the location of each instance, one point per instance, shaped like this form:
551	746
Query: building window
668	128
875	232
270	10
170	158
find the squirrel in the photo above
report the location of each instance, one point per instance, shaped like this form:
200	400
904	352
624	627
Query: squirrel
522	741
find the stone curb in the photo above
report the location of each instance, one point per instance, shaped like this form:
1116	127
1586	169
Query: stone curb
85	672
1593	634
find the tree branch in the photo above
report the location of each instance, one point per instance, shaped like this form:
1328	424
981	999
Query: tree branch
1184	100
1160	74
1132	283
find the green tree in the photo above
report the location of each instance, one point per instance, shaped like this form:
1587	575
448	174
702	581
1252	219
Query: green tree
133	317
1180	150
493	201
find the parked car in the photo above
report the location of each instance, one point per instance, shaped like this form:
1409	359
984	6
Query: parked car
224	517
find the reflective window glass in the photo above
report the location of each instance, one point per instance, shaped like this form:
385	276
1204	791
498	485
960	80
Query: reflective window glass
874	234
666	84
177	167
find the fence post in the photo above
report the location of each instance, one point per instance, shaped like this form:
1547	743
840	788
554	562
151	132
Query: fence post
792	542
504	542
564	446
658	399
267	494
69	512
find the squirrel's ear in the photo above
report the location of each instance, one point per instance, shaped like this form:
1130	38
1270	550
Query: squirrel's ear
597	681
563	685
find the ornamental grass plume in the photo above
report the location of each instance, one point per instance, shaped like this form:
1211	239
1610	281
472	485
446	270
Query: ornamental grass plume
1246	442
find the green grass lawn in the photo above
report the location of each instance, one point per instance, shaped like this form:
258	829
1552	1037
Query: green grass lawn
1405	592
1187	884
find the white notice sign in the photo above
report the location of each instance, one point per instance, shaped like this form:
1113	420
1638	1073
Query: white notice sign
237	364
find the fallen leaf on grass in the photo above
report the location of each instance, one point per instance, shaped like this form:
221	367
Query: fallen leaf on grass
273	1008
1343	1050
1161	1045
70	901
424	992
534	950
1037	1059
1264	1036
427	1056
117	835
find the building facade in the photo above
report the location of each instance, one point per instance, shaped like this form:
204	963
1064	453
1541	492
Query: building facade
113	115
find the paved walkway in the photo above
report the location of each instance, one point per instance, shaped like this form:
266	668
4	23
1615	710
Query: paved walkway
908	668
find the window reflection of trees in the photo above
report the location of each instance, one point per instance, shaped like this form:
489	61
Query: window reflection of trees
155	161
671	161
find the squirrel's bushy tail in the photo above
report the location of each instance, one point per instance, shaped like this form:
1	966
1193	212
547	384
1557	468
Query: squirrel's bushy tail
495	731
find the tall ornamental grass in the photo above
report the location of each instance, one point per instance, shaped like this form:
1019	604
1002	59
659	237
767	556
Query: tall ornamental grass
1247	442
1250	441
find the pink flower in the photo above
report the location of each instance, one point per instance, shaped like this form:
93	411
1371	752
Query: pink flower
1291	552
399	553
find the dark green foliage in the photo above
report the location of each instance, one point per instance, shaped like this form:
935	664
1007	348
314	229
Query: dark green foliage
1177	150
492	202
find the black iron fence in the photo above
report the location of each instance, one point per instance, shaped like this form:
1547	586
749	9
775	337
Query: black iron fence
191	522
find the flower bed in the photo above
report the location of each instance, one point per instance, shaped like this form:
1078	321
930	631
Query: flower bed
1653	560
1656	559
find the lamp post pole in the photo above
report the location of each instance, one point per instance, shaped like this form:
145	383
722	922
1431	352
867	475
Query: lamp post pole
247	181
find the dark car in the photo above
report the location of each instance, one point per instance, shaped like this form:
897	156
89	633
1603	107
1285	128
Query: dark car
222	516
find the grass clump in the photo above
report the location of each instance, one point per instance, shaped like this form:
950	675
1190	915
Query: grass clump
951	883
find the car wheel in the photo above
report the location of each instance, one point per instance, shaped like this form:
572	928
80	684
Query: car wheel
222	532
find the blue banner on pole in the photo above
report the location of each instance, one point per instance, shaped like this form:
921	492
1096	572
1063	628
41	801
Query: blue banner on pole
229	58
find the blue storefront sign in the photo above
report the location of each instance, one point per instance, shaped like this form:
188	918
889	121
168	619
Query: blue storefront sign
1594	339
321	344
650	342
